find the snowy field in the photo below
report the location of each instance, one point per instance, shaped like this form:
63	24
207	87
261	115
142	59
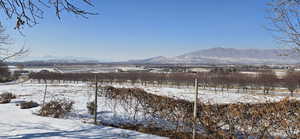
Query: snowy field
211	97
24	124
18	123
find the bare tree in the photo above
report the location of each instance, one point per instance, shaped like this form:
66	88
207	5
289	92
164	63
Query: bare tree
290	81
28	12
285	21
4	72
268	80
6	51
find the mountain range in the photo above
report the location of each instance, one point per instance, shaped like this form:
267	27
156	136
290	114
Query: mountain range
58	59
216	55
221	55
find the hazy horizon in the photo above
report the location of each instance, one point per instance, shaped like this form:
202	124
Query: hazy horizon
81	58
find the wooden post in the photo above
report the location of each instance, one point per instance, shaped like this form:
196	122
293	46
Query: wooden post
195	108
96	96
45	93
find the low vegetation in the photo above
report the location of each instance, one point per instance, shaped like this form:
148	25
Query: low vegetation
28	105
6	97
219	81
56	108
5	74
91	107
173	117
213	121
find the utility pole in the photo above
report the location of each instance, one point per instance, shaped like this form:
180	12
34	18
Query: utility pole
96	96
195	108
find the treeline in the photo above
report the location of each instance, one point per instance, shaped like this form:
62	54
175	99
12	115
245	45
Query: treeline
219	81
51	63
5	74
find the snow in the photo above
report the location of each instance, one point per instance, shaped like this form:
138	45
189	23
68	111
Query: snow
17	123
34	69
20	123
210	96
23	123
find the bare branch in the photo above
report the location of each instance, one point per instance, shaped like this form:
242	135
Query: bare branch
6	52
28	12
285	21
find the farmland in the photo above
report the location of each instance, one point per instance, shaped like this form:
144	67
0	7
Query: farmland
124	104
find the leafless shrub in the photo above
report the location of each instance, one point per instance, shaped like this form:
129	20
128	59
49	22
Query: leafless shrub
8	95
56	108
28	105
217	120
4	101
91	107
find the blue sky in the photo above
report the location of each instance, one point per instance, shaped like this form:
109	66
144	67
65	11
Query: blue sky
136	29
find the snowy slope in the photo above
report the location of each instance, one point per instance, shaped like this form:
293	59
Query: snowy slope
22	123
17	123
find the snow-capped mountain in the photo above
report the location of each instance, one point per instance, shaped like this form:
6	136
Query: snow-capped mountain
159	59
229	56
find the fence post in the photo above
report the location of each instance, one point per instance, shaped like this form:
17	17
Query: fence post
45	93
96	99
195	108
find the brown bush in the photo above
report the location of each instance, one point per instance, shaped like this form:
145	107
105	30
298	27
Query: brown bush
4	101
91	107
137	100
28	105
217	120
56	108
6	97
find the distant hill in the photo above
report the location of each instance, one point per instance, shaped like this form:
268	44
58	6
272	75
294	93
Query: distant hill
56	59
228	56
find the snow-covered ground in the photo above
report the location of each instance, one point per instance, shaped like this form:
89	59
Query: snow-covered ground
19	123
23	123
212	97
32	69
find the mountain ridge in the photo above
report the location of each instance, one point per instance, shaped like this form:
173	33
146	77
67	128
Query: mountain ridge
219	55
